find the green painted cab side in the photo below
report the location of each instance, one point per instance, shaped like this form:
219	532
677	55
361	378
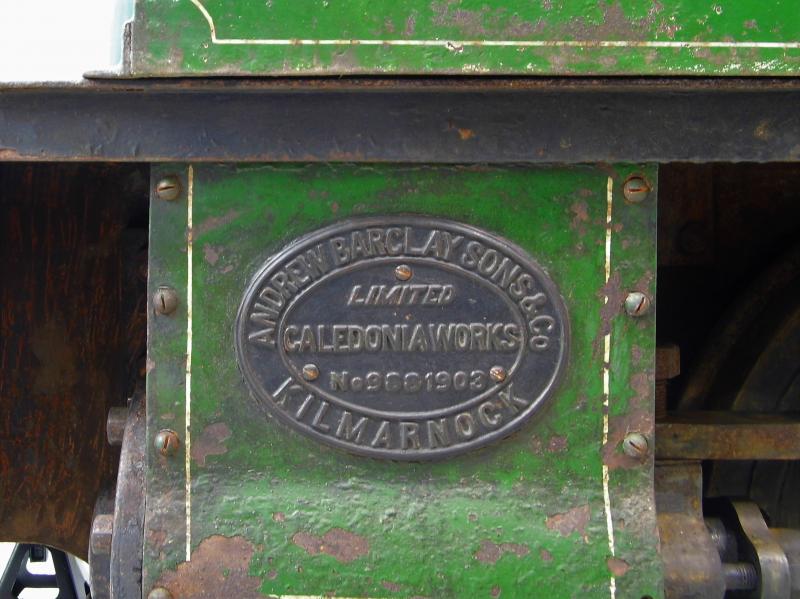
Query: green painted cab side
542	37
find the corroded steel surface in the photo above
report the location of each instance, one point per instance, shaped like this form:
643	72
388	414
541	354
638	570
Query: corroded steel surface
728	436
422	120
326	37
248	506
692	564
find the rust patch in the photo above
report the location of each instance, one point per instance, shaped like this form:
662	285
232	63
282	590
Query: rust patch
762	131
574	520
156	538
411	24
484	22
616	297
545	555
490	553
495	592
214	222
580	212
466	134
617	567
616	25
643	384
211	254
340	544
279	517
210	442
10	154
636	355
219	568
557	444
390	586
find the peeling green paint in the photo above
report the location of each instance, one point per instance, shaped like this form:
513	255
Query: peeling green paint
546	37
524	518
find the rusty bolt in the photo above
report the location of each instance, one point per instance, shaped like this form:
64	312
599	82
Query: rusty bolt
403	272
634	445
159	593
168	188
310	372
100	539
115	425
165	300
166	442
497	373
635	190
637	304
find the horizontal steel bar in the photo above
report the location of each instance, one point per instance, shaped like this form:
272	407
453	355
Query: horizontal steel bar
491	121
728	436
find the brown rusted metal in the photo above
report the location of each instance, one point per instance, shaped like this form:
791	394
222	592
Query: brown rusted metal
126	544
692	565
728	436
439	120
71	334
100	555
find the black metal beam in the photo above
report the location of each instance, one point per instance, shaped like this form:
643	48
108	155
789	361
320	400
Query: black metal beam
457	120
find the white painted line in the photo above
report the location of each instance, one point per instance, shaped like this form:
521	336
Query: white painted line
188	416
458	45
612	584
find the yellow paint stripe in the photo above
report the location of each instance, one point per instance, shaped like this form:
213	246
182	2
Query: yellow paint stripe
188	400
612	584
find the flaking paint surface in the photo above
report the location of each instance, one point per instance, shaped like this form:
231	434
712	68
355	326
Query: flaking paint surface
509	520
554	37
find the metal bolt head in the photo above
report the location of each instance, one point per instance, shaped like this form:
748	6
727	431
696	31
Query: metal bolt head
310	372
497	374
636	190
100	539
166	442
637	304
159	593
165	300
168	188
403	272
635	445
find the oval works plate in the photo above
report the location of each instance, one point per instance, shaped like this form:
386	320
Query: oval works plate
402	337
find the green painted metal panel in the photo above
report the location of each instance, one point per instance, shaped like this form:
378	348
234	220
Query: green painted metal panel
248	507
547	37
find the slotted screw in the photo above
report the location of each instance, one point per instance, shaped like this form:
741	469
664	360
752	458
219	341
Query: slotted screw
637	304
166	442
635	190
165	300
635	445
168	188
